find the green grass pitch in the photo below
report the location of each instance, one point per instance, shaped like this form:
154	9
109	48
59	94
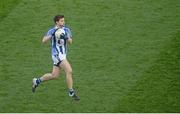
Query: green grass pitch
125	55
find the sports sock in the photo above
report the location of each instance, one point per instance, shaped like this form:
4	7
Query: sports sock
38	81
71	92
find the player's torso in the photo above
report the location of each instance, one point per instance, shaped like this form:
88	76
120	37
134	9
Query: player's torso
59	46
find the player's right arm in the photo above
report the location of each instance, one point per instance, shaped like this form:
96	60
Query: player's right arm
46	38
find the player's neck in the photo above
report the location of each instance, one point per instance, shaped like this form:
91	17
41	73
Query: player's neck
59	26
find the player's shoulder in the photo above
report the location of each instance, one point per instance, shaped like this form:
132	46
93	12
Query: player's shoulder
51	30
67	28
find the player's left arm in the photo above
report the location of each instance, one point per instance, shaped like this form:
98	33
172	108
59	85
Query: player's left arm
69	36
70	40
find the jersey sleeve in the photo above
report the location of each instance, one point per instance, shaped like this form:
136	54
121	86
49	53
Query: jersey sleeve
50	32
68	32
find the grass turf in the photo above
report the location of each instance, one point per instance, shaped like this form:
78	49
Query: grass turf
125	56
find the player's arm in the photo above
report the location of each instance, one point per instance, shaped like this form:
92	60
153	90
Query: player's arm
70	40
46	38
69	36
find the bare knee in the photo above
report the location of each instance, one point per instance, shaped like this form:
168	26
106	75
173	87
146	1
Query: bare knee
69	72
55	72
55	75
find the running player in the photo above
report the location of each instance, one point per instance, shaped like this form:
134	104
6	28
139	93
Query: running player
59	51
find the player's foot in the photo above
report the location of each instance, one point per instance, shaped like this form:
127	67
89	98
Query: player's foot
73	95
35	84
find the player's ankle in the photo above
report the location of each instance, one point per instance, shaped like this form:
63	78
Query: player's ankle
38	81
71	92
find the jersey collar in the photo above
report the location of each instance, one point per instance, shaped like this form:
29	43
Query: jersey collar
56	27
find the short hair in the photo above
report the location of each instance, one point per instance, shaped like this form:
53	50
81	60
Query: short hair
58	17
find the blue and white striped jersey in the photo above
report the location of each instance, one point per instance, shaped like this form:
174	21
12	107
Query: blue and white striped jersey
59	46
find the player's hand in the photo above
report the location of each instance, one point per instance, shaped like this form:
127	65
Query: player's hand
63	36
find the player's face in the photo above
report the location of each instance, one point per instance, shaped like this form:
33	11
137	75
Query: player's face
61	22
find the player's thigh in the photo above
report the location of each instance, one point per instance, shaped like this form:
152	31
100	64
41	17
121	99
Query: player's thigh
66	66
56	71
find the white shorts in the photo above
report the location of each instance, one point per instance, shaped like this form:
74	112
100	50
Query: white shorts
57	59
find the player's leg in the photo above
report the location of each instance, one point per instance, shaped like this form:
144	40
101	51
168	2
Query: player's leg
69	79
48	76
68	70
